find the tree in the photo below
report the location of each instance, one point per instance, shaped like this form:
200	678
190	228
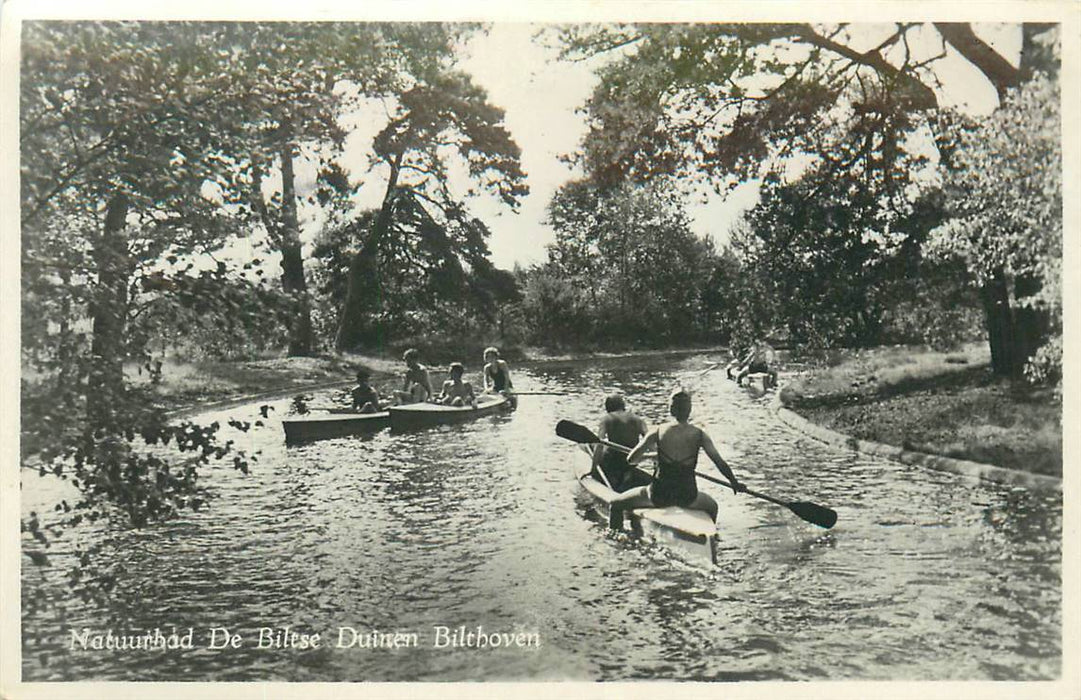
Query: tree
422	279
1004	192
422	228
118	148
734	102
117	144
825	260
297	80
630	248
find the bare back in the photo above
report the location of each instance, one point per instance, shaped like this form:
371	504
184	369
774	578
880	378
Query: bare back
622	427
679	442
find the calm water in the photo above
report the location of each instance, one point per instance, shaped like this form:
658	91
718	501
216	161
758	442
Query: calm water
927	575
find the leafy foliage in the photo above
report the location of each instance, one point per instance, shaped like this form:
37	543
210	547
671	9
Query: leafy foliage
423	246
125	171
632	254
837	122
1004	192
734	100
428	278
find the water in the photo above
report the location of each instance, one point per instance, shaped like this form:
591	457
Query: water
926	575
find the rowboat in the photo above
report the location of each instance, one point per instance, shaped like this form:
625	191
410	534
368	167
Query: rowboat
335	423
425	415
689	531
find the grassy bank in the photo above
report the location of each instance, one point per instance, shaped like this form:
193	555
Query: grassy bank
948	404
195	383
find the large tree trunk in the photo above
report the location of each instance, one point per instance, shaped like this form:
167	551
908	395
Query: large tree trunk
363	273
1031	326
1014	332
108	310
1000	331
293	281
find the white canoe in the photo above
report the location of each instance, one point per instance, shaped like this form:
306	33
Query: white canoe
424	415
687	530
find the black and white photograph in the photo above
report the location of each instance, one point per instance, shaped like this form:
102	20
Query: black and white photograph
615	348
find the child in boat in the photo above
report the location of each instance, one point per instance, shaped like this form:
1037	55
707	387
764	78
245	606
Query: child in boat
496	373
365	397
624	428
677	444
417	385
456	392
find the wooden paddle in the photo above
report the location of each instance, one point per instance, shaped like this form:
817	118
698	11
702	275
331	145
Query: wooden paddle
540	393
811	512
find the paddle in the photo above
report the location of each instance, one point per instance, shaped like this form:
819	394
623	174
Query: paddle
573	427
811	512
540	393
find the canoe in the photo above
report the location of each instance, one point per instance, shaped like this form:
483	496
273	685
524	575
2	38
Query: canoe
683	529
758	381
335	423
425	415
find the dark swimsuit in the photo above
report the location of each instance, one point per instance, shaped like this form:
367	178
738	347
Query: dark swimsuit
499	377
674	484
614	463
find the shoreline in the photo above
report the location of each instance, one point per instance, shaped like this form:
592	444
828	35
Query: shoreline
382	370
861	397
937	409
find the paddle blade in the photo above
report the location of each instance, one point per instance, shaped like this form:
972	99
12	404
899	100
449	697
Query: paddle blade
814	513
576	433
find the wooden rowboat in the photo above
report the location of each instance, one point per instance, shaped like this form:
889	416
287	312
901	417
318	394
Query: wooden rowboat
425	415
335	423
690	531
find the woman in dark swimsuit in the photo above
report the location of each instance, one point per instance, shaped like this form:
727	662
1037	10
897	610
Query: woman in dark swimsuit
496	372
677	444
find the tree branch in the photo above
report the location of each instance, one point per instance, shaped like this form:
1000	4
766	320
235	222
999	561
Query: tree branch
923	96
994	67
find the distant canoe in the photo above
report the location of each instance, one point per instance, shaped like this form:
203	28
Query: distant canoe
336	423
424	415
691	531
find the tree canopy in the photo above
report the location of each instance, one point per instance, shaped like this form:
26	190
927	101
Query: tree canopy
423	229
849	113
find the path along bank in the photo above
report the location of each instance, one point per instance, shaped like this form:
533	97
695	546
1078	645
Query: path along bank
942	410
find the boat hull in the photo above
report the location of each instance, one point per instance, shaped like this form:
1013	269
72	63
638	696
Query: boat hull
324	426
689	531
427	415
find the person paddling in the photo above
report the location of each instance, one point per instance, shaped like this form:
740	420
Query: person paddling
622	427
677	444
496	373
417	385
757	361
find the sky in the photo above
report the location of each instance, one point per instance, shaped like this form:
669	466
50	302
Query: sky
541	96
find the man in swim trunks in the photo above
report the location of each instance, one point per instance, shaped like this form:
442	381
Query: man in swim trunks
417	385
496	373
455	391
622	427
677	444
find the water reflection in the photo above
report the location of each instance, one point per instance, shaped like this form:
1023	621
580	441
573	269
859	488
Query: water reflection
926	575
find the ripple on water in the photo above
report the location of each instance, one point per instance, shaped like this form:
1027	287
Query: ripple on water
927	575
